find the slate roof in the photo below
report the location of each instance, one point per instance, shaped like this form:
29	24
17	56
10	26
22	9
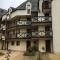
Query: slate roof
2	12
22	7
33	2
12	8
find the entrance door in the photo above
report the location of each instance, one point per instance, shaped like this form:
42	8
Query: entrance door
28	43
48	48
35	43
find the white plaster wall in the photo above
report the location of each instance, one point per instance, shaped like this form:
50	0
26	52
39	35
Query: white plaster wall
21	47
56	25
18	13
4	17
41	30
42	44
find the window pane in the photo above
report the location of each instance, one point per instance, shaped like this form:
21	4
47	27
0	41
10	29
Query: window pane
12	43
17	43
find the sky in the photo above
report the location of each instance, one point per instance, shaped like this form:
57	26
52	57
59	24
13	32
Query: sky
5	4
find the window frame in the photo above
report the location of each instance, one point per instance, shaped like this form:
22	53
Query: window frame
12	43
17	43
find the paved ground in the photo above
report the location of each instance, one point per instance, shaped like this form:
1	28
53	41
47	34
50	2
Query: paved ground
50	56
16	55
54	56
13	56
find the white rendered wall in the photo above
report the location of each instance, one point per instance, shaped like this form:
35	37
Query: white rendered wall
56	25
41	28
16	13
21	47
40	8
41	45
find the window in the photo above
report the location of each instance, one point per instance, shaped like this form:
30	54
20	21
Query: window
35	29
28	5
45	4
28	11
47	14
17	43
12	43
47	28
29	19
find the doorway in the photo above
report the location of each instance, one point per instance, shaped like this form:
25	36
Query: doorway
28	44
35	44
48	46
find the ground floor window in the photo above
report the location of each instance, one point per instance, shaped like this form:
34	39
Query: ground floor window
17	43
48	46
12	43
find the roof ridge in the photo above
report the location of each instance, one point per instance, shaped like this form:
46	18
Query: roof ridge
22	4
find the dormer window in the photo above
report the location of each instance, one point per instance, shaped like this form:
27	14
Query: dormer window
28	7
9	10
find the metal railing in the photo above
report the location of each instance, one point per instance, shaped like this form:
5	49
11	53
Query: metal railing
42	34
42	19
32	34
24	23
37	19
23	35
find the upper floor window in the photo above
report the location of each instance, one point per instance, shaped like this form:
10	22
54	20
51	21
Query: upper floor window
28	11
9	10
45	4
28	7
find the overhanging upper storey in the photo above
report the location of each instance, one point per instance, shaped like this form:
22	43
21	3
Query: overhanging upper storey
24	9
16	13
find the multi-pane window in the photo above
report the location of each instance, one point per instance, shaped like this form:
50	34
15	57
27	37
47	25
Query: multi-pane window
12	43
17	43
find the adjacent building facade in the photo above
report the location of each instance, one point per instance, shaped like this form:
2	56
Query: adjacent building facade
56	25
28	25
